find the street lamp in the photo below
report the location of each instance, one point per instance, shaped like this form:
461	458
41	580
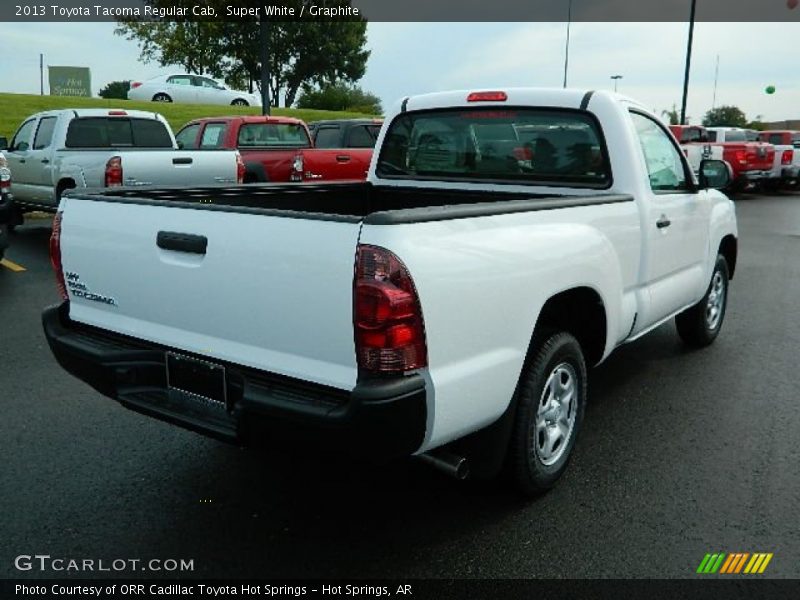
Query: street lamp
616	79
566	49
688	63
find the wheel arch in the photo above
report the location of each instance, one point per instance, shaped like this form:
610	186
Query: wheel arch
581	312
729	249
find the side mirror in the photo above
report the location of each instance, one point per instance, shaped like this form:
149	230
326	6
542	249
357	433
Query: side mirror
3	143
180	145
715	174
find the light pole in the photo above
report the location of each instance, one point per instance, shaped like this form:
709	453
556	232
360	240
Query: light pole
688	63
566	50
263	41
616	79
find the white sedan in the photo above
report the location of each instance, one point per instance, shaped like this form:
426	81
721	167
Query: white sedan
190	89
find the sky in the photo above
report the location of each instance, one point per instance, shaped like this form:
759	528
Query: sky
412	58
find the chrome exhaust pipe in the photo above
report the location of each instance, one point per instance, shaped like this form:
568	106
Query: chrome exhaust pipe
454	466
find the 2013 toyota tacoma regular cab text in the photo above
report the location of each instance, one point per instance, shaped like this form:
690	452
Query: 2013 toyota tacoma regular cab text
447	307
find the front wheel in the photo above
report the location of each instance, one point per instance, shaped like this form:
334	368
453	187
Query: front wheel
239	102
162	98
550	400
700	324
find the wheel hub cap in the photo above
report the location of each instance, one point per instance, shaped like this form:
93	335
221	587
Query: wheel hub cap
555	414
716	301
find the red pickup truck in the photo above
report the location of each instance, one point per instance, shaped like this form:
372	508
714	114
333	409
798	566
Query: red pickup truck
268	145
342	150
750	161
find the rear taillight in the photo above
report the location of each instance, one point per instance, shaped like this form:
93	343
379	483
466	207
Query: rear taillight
113	176
135	84
297	168
240	168
389	329
787	157
55	256
741	157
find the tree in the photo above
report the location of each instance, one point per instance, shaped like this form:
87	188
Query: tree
673	115
725	116
116	89
322	52
340	97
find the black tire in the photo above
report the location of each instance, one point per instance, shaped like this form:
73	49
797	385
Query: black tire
240	102
161	97
698	325
532	471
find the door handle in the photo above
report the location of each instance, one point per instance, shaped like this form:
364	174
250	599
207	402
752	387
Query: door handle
663	222
45	161
343	158
182	161
182	242
21	160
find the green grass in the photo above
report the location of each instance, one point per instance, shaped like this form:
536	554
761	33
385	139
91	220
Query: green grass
14	108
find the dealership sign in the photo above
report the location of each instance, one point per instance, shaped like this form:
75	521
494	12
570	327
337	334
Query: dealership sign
70	81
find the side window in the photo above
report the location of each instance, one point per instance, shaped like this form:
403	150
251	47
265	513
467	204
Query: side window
664	164
212	135
180	80
22	139
776	138
44	133
327	137
187	137
360	137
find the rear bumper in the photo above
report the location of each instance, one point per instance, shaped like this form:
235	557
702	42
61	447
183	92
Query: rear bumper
380	418
791	173
753	176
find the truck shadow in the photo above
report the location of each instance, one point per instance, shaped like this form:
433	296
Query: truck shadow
298	515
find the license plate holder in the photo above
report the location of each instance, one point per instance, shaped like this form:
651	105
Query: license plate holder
198	379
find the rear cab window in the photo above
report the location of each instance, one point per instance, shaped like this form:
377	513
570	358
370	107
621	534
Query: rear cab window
112	132
268	135
539	146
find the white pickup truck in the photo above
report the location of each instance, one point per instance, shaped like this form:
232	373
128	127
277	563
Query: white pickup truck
94	148
447	307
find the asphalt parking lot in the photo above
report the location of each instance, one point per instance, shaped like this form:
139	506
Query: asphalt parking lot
682	453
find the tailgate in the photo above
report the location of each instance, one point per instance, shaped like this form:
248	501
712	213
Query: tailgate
269	292
179	167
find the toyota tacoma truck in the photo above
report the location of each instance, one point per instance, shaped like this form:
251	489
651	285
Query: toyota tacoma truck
58	150
750	160
448	307
342	150
268	145
786	166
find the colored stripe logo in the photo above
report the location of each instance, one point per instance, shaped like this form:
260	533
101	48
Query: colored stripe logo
735	563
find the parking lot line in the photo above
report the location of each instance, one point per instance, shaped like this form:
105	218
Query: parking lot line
12	266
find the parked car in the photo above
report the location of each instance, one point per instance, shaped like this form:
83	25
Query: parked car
6	203
751	161
786	166
276	149
268	145
190	89
343	150
694	141
57	150
447	308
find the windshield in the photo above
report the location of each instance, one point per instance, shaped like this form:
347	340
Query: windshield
735	136
517	144
254	135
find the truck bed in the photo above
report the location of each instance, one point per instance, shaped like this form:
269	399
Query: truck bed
350	202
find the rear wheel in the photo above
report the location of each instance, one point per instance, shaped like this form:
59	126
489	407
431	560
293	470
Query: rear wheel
700	324
161	98
239	102
550	401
